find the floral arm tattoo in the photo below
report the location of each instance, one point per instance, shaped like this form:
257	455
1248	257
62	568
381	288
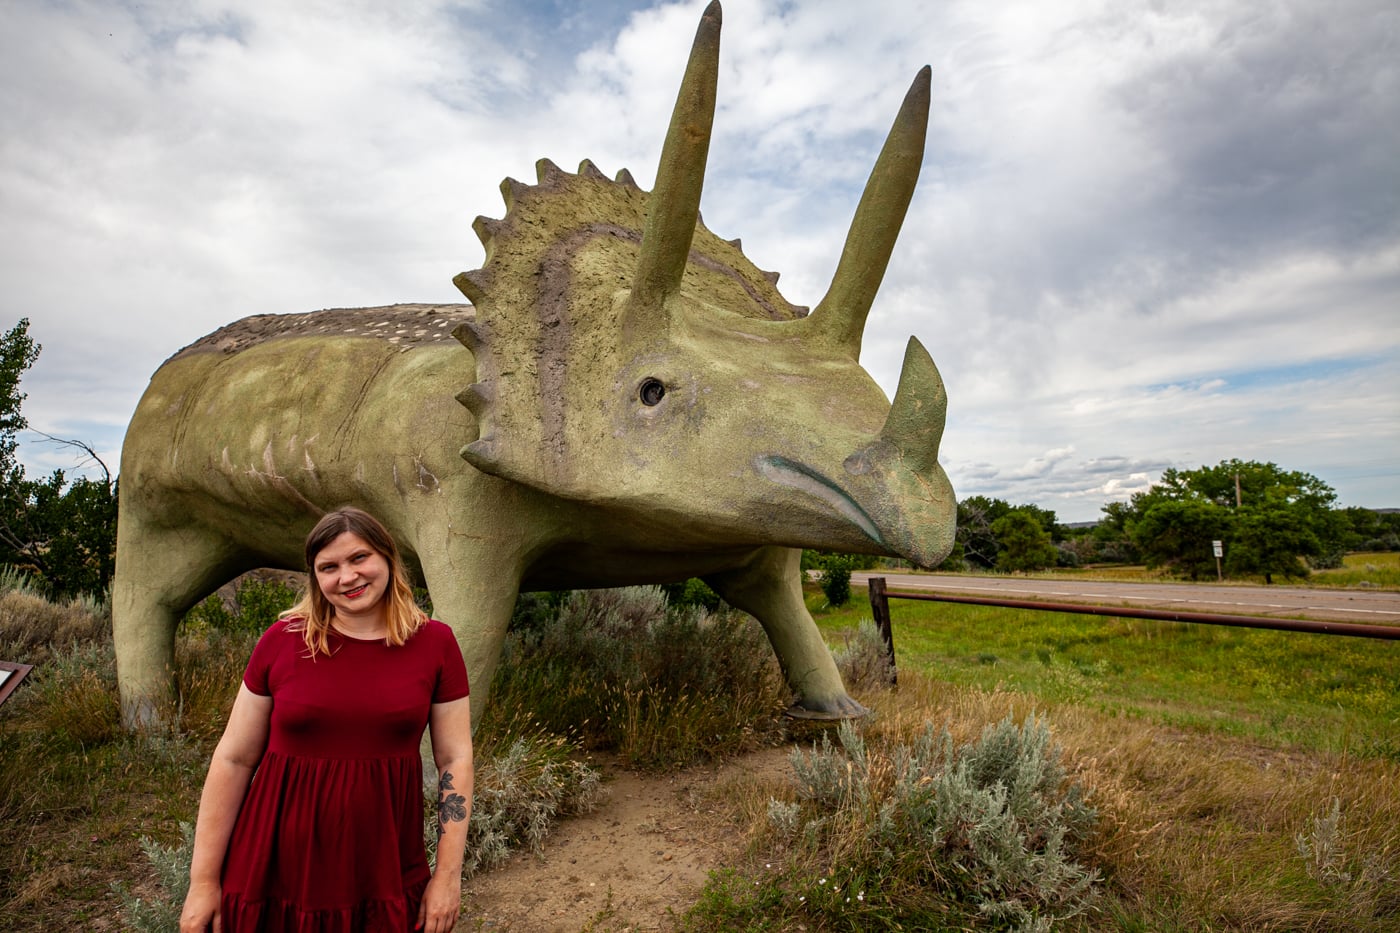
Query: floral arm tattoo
452	808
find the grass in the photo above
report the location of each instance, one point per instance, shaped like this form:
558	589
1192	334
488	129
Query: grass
1317	692
1195	831
1379	570
1241	780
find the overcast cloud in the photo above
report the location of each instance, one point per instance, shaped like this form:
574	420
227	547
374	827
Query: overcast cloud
1146	235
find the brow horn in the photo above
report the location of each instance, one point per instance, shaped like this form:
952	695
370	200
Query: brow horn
840	317
674	205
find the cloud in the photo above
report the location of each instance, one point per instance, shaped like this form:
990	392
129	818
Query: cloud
1145	235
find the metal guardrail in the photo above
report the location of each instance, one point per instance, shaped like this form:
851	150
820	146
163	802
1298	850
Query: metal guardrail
880	610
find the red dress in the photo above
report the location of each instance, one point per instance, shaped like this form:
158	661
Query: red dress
330	835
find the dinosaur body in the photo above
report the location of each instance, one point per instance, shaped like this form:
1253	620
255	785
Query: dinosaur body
626	400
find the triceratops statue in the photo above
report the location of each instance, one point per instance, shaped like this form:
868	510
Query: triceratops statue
636	404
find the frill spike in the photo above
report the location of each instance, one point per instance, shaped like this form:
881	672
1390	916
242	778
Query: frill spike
477	398
840	316
469	333
624	177
547	173
487	229
587	169
482	454
512	191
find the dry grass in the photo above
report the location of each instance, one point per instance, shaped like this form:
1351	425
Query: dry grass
31	627
1194	832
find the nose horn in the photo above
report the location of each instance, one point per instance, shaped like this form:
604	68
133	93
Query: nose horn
915	421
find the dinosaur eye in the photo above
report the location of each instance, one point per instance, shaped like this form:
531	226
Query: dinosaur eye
651	391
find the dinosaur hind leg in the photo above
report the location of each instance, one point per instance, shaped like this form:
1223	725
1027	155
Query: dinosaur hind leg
160	573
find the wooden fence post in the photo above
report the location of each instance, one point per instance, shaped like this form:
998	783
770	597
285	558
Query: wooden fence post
880	611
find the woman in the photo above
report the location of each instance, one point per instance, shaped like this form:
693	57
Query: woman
327	835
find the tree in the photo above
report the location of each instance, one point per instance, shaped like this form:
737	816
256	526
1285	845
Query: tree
1113	534
1177	535
974	535
1270	538
1277	510
1025	544
64	533
18	351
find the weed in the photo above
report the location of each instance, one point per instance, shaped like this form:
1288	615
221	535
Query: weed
171	867
1322	846
863	659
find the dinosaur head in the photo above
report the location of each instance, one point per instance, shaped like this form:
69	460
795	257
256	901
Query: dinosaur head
629	358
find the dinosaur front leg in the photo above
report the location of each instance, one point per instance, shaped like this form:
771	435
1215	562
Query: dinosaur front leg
769	588
473	583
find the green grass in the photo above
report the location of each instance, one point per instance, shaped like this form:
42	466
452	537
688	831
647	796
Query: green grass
1379	570
1371	570
1319	692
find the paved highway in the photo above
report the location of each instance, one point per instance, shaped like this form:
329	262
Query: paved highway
1287	602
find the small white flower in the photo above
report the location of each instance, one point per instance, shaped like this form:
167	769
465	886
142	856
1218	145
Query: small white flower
822	881
860	896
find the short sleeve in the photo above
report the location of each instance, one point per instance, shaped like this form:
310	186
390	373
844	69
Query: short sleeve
452	672
257	675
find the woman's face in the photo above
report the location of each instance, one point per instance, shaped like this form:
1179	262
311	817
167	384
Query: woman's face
353	576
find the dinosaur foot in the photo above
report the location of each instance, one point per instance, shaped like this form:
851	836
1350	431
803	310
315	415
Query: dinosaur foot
836	708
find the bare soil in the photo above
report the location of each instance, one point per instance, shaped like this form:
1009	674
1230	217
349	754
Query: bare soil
637	860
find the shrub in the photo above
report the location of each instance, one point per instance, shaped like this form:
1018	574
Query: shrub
692	592
836	579
864	660
622	670
75	695
989	828
519	796
210	615
171	867
256	604
31	626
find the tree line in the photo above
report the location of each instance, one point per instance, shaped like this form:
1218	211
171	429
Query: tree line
1269	521
62	532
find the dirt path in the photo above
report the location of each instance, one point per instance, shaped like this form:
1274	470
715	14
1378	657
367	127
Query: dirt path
646	850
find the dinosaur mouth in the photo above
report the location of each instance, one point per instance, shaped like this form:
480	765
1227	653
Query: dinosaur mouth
786	472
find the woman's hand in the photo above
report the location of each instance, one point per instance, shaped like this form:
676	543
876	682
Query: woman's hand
441	902
201	911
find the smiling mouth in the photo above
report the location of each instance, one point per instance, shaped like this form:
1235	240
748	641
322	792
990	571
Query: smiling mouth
795	475
356	592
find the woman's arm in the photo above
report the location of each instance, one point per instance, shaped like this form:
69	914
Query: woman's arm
235	758
451	729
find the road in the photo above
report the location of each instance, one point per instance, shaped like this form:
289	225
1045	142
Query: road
1286	602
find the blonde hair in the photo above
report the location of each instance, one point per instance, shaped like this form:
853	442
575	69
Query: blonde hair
313	615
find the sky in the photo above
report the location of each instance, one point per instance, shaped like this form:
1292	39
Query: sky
1146	234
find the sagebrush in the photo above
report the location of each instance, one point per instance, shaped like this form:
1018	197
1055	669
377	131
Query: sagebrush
624	671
